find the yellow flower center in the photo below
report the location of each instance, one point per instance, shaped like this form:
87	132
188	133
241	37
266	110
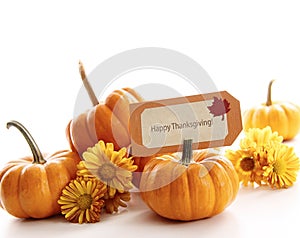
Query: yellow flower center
85	201
107	172
279	168
247	164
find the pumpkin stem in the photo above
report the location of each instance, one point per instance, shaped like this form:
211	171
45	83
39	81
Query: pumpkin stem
187	152
269	96
37	155
87	85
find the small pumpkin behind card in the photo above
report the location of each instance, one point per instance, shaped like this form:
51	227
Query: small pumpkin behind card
107	121
281	116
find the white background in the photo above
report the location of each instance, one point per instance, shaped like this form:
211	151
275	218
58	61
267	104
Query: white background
241	44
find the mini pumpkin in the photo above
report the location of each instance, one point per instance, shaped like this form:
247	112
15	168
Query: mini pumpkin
107	121
283	117
140	162
31	186
201	184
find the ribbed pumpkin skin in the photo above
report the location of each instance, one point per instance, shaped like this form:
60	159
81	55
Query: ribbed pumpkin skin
283	117
108	121
140	162
203	188
30	190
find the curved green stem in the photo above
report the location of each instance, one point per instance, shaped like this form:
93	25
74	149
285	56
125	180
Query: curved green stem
269	96
187	152
37	155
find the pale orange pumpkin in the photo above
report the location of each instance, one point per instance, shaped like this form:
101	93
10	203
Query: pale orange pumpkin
107	121
31	186
140	162
103	122
282	117
198	185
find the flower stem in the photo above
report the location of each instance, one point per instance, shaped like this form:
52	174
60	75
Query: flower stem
87	85
37	155
269	96
187	152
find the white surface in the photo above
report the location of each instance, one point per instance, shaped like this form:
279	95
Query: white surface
241	44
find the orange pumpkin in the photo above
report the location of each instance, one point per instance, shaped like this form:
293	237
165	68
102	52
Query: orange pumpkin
283	117
181	189
107	121
30	187
140	162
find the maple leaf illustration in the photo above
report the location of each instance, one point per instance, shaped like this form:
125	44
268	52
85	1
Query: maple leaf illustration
219	107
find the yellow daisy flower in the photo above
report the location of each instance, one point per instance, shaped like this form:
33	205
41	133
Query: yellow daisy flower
82	200
83	172
264	159
256	137
112	204
113	168
248	165
281	172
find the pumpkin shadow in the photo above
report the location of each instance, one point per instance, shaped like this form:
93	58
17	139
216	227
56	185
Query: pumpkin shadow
145	221
134	221
222	225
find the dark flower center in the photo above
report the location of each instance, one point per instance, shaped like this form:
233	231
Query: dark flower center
247	164
85	201
107	172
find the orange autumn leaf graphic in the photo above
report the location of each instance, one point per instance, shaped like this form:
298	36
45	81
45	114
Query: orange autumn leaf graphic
219	107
